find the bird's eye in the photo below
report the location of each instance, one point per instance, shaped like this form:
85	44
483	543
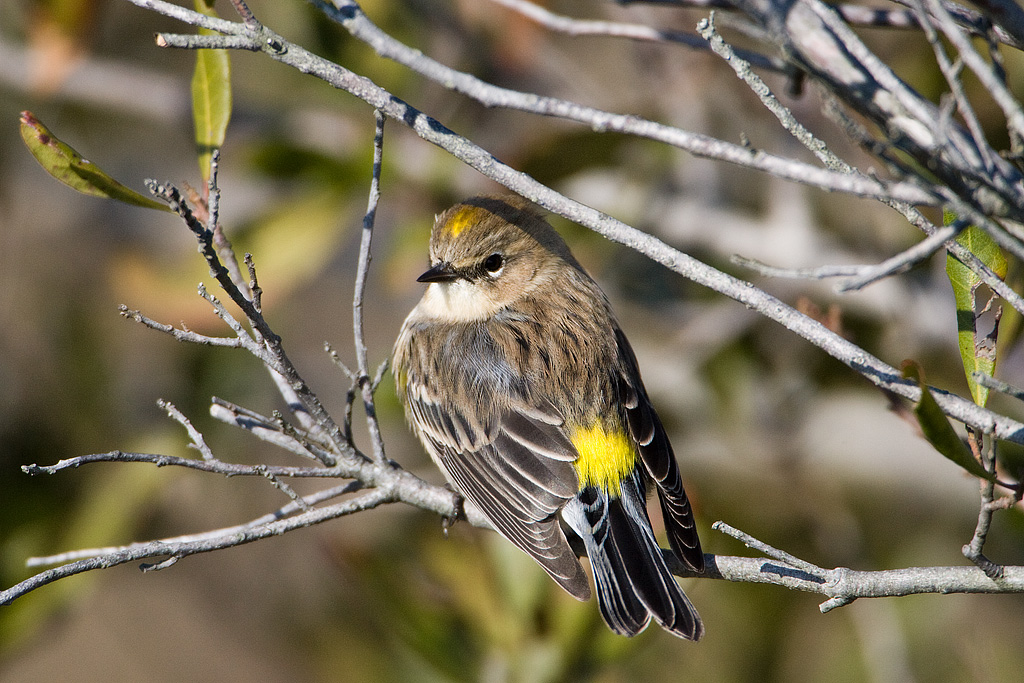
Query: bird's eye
493	263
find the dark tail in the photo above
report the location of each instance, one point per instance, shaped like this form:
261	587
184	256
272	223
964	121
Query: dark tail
633	582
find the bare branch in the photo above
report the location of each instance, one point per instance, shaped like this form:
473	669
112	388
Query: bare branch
865	275
993	84
198	441
826	47
352	18
220	240
182	335
213	466
363	378
998	385
283	487
812	273
860	15
307	444
247	16
706	28
841	585
1007	15
271	352
906	259
585	27
973	551
951	73
285	511
768	550
862	275
153	549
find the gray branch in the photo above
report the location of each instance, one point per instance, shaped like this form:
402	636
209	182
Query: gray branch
842	585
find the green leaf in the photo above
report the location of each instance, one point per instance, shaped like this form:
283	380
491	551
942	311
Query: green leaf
211	96
936	428
68	166
978	355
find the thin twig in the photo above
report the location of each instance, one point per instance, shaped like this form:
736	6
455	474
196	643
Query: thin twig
774	553
379	376
812	273
247	16
220	240
160	460
973	551
245	340
198	441
1006	30
153	549
741	66
283	487
350	394
970	211
1012	109
306	444
182	335
907	258
998	385
951	73
614	29
256	293
862	275
285	511
271	351
364	381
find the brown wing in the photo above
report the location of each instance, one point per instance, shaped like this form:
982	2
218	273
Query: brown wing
517	469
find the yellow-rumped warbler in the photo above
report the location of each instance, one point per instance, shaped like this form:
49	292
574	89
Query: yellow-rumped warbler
519	382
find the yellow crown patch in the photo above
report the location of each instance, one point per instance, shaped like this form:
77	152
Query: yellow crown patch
464	218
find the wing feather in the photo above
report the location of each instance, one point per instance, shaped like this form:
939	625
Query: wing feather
659	459
517	470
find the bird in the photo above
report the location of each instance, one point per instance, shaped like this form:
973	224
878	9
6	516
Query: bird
522	387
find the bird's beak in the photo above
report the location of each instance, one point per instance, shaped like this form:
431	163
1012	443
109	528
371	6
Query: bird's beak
442	272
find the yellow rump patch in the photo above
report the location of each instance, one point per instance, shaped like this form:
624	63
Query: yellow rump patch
606	458
463	218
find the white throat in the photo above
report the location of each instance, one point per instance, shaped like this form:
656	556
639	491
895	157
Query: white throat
456	301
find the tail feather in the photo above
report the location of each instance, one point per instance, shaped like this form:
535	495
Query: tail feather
633	582
651	577
621	607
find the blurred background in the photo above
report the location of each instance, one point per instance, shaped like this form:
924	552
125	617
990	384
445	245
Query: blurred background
773	436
